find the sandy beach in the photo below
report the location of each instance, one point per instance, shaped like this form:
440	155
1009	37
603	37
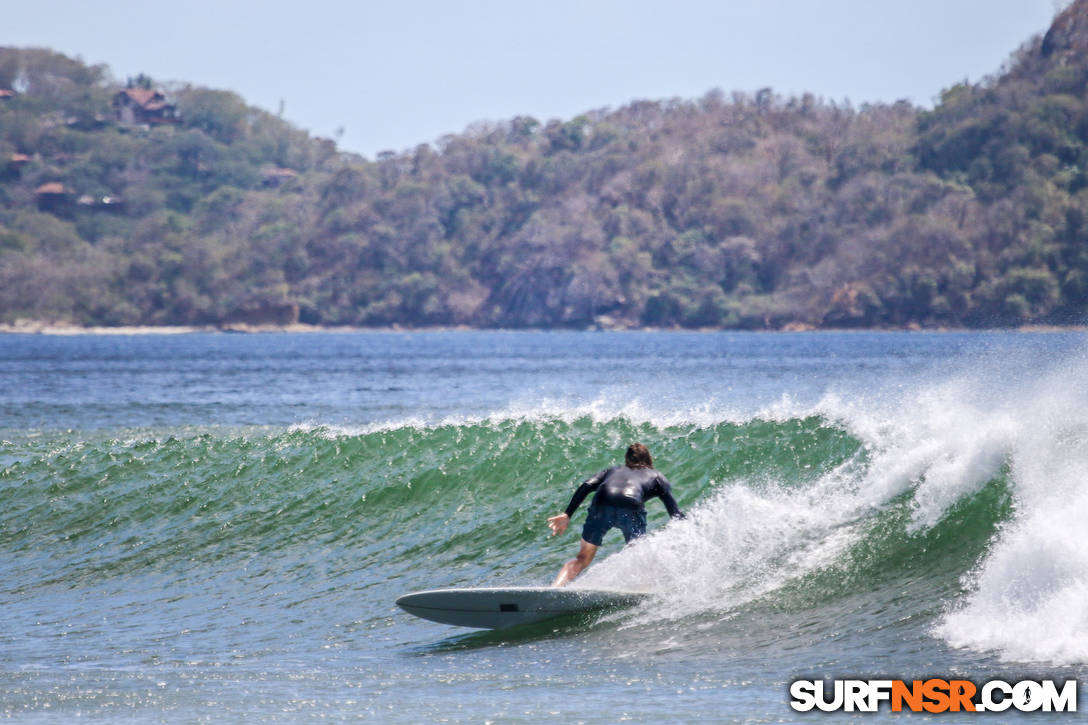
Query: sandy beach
34	327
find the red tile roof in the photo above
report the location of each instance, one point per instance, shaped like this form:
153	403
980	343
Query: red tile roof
143	96
52	187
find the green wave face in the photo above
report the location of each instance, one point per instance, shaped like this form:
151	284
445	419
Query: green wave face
212	493
467	498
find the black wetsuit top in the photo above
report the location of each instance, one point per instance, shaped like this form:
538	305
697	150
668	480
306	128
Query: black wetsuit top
627	488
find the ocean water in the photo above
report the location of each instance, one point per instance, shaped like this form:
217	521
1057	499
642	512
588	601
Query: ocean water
211	528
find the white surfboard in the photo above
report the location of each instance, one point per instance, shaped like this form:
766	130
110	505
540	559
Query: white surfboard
496	607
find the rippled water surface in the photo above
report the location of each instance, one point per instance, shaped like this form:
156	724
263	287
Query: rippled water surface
215	527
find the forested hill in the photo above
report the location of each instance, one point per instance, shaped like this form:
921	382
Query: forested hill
121	204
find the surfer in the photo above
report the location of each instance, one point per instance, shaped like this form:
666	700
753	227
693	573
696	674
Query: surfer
619	502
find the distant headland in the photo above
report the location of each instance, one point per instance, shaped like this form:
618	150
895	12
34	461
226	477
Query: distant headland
134	205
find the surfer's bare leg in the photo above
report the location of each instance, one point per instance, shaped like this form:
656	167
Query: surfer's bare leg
575	566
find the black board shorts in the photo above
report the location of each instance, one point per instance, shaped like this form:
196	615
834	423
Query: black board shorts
632	522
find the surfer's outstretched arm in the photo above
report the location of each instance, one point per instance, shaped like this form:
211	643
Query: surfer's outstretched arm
558	524
587	487
663	489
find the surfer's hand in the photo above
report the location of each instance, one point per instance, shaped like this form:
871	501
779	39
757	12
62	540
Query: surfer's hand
559	523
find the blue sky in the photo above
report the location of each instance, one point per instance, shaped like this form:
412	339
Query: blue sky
392	75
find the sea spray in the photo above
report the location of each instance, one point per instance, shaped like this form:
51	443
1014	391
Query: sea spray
1028	598
1017	454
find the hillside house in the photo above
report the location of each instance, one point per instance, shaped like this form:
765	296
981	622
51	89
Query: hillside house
15	164
18	159
53	197
276	175
143	106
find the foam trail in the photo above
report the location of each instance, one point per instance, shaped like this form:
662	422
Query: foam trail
741	544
